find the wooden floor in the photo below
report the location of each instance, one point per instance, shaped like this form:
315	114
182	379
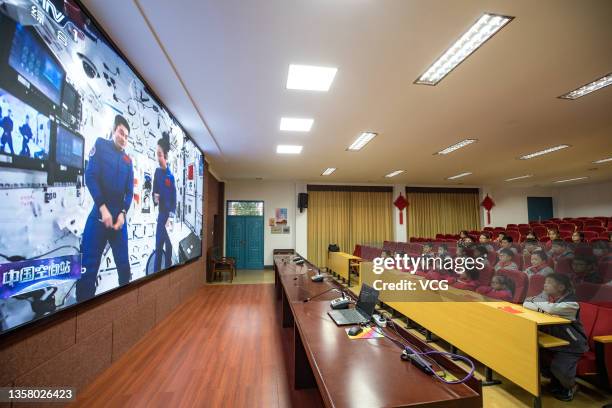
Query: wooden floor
223	348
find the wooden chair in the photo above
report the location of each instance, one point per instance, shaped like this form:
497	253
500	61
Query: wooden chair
219	264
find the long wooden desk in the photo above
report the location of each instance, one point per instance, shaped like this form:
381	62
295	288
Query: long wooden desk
501	335
356	373
339	263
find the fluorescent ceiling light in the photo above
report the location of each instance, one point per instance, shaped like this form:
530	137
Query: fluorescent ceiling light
603	160
572	179
361	141
588	88
459	176
328	171
520	177
310	77
288	149
486	26
296	124
457	146
545	151
394	173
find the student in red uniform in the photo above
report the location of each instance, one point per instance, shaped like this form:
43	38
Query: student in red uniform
502	288
559	250
584	270
601	250
499	238
559	363
578	238
467	280
553	234
531	235
539	264
507	243
485	240
505	260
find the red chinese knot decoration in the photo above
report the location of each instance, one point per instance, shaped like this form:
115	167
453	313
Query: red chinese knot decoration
488	204
401	203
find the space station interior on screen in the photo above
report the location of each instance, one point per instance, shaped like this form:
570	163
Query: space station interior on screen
99	184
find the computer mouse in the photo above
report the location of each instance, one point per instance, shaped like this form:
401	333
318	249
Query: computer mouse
355	330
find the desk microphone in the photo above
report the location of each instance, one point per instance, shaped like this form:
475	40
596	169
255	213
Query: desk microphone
318	277
322	293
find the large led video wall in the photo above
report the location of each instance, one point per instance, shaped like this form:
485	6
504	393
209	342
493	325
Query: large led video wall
99	184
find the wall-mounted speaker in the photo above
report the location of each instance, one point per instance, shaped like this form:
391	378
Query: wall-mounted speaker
302	201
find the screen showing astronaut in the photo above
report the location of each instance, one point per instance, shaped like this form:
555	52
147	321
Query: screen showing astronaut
99	184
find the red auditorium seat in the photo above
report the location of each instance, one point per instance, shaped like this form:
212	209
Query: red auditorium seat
514	234
594	293
544	239
566	226
485	276
579	225
357	250
587	365
565	234
540	231
603	352
604	235
524	229
536	285
490	229
589	235
564	266
584	250
594	228
592	223
521	283
605	271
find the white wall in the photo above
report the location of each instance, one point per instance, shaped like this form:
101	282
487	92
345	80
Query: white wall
274	195
511	204
585	200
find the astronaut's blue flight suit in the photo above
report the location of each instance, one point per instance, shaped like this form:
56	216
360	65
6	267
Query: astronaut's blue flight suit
26	133
7	135
110	179
164	185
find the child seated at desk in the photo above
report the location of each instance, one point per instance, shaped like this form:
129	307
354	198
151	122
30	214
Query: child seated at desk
505	260
539	264
559	363
502	288
467	280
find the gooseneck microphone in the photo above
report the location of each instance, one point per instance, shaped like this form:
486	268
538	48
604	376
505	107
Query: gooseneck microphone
324	292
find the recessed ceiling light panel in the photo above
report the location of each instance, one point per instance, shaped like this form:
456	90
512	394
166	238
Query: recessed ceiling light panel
328	171
296	124
457	146
609	159
572	179
394	173
520	177
361	141
310	77
543	152
486	26
459	176
288	149
588	88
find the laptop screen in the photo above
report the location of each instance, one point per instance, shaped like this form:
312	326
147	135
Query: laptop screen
368	296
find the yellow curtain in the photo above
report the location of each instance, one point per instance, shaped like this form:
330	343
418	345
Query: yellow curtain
371	218
442	213
347	218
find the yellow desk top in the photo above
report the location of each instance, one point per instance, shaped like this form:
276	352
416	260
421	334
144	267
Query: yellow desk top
547	341
344	255
541	319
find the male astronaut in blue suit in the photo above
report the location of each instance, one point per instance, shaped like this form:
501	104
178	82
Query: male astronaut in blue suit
110	180
164	195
